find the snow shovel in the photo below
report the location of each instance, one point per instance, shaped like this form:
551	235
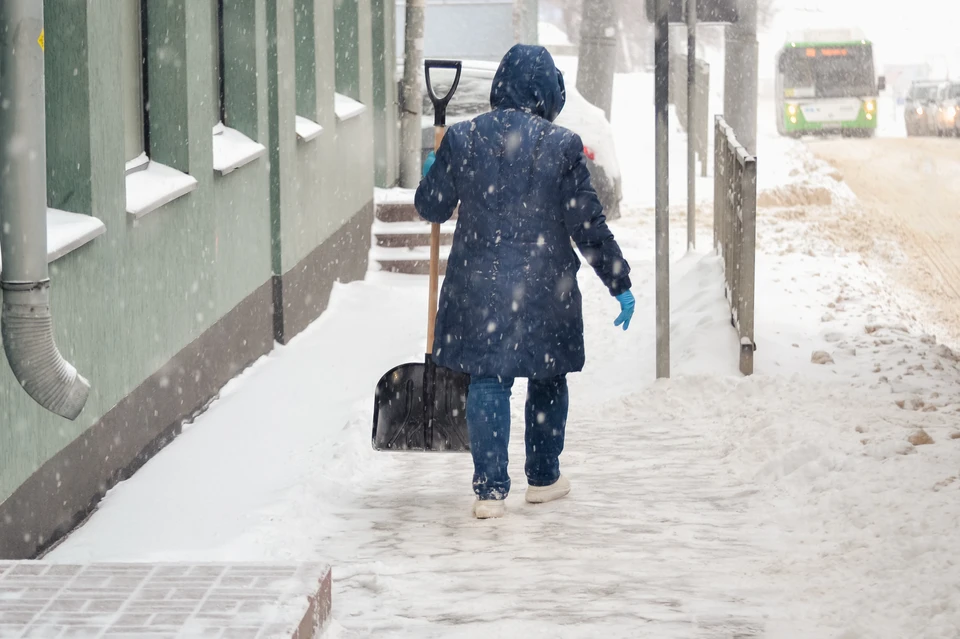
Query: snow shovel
423	407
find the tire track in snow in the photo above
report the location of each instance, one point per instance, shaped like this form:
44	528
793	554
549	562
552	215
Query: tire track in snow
910	190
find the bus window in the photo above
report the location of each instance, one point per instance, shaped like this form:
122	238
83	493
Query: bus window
797	72
832	72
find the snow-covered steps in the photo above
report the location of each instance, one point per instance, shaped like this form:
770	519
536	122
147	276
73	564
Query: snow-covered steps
165	600
401	239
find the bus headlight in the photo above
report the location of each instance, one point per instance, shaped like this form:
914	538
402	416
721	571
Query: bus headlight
870	106
919	110
952	112
792	109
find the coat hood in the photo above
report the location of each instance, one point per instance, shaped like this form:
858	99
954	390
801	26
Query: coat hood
528	80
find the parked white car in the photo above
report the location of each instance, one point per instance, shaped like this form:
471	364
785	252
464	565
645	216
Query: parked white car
578	115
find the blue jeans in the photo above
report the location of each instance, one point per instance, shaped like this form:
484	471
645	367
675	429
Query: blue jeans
488	417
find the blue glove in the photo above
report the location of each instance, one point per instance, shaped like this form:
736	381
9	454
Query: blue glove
428	163
627	302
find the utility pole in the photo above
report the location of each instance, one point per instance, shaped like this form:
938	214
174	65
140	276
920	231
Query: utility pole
661	53
691	124
598	53
740	76
412	99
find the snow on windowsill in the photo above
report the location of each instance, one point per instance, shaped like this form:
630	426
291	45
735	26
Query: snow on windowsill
137	162
155	186
66	232
307	129
232	149
346	107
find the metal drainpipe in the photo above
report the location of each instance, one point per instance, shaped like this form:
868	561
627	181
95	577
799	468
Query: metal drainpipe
27	324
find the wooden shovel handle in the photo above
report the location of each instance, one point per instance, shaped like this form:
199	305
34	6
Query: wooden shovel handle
434	261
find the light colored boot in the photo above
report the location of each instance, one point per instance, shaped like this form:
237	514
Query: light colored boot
543	494
489	508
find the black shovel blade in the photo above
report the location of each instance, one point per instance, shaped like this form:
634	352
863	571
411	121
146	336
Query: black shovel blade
400	421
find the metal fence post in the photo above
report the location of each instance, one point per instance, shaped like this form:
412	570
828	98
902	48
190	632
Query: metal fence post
748	265
717	180
703	117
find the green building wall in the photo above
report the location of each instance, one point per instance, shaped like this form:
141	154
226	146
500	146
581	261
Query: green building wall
159	312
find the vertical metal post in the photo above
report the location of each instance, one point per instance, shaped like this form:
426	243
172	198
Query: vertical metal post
692	124
717	181
740	76
747	270
661	97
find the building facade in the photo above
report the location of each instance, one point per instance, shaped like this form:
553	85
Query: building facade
211	167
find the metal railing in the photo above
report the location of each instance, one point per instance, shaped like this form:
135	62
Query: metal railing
735	232
678	98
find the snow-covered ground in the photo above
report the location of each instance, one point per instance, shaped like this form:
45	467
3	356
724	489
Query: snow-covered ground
790	504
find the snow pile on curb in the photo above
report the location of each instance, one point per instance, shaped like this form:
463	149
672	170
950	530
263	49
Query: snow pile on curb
791	176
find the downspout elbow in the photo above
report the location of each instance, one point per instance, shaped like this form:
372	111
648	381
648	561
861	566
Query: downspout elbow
44	374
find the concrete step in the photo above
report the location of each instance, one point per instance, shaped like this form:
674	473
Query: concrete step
412	261
410	241
396	205
393	212
410	234
411	267
402	237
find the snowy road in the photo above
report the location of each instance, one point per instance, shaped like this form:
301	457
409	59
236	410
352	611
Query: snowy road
910	190
787	505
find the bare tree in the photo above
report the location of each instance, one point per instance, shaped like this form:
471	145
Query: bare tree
638	32
412	99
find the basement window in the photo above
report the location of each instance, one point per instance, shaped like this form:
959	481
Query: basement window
231	148
149	184
305	72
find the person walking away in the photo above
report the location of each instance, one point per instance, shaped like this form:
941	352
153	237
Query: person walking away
510	305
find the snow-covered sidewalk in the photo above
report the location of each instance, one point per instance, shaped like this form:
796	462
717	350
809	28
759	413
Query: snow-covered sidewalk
788	504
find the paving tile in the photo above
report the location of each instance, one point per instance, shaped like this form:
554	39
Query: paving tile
39	600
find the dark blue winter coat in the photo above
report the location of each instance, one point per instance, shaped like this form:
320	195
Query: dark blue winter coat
510	305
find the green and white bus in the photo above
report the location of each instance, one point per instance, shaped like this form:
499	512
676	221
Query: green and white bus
826	84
